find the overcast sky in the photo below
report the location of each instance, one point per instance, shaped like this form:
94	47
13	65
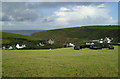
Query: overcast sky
54	15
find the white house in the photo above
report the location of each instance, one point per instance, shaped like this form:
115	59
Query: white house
40	44
95	40
118	43
67	44
20	46
70	44
3	47
89	43
7	47
92	43
10	47
101	40
105	40
50	41
108	40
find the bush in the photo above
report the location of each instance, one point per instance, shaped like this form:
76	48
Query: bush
47	46
53	46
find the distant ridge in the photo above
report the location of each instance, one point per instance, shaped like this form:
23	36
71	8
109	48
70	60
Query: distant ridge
22	32
11	38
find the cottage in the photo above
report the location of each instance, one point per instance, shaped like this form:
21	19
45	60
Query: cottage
95	40
19	46
7	47
105	40
66	45
118	44
40	44
89	43
10	47
3	47
69	45
108	40
50	41
101	40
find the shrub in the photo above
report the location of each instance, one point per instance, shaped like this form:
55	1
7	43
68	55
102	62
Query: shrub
47	46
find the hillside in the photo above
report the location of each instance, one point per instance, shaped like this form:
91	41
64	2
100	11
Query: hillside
12	35
11	38
80	34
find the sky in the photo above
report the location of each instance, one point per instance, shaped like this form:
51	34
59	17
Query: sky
55	15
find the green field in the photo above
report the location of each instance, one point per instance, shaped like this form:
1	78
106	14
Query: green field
64	62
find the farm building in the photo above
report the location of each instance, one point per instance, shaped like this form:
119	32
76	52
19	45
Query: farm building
19	46
7	47
68	44
105	40
51	41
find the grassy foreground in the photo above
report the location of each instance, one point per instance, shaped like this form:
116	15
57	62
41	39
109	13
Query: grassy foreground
64	62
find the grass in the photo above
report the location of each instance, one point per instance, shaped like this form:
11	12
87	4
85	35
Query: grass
103	27
64	62
0	63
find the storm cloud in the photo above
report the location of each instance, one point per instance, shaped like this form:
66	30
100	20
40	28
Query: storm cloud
27	11
48	15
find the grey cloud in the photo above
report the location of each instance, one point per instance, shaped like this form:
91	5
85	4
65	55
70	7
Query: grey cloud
18	12
5	18
27	11
59	4
22	14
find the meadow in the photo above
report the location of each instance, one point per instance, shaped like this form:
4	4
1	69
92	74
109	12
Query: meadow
63	62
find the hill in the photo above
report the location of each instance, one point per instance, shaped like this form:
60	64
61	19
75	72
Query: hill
11	38
80	34
12	35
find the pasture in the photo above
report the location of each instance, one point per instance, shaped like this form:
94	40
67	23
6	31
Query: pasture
64	62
